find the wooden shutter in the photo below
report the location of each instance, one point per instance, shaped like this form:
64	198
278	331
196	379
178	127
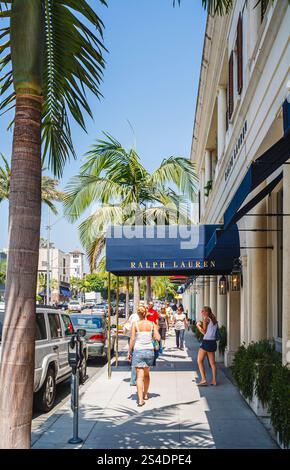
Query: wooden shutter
231	86
240	54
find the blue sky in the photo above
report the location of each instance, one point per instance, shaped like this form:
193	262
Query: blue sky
151	80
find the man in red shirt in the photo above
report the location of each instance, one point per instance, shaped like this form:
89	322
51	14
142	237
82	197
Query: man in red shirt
152	315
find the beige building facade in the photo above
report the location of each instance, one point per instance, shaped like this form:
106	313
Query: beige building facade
244	84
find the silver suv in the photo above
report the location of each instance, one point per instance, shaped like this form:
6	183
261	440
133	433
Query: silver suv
53	331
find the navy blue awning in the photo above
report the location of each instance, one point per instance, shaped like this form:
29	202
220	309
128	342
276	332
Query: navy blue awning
222	241
258	172
65	291
286	116
169	250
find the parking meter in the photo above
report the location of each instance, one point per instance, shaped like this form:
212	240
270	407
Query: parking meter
75	358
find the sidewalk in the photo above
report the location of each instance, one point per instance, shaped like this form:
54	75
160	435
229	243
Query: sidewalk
178	414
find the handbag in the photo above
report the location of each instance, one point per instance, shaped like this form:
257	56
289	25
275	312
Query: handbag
155	343
218	335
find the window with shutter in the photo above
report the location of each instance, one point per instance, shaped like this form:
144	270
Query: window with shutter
240	54
231	86
264	5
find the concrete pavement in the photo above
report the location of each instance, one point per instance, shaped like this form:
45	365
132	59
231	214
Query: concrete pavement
178	414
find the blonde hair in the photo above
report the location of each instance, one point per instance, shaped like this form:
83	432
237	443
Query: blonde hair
142	311
210	314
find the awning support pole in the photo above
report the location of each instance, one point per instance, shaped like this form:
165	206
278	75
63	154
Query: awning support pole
109	327
117	323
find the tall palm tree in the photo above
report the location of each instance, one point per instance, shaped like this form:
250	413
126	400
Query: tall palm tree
115	180
49	191
52	54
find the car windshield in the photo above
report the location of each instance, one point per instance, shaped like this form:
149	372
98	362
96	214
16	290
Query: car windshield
88	323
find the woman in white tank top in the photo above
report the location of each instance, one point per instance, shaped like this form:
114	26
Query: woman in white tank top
209	328
141	340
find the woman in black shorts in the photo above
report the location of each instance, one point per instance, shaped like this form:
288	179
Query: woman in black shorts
208	327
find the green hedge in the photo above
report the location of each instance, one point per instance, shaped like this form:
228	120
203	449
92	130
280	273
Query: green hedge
258	368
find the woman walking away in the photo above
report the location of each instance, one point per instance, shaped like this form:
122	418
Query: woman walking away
208	327
179	323
163	324
142	335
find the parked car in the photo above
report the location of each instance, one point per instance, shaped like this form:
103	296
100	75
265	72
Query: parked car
96	333
53	332
74	306
99	309
62	306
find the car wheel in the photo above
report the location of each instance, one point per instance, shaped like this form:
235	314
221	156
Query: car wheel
83	371
46	395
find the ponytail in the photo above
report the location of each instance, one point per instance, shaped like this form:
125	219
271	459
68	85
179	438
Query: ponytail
211	316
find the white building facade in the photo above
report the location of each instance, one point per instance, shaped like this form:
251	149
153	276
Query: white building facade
59	273
77	264
244	84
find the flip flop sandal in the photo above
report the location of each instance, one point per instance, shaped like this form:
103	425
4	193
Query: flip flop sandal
202	384
140	404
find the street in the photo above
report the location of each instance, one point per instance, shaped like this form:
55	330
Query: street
94	369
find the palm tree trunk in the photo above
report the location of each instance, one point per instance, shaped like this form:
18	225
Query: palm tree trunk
18	338
127	298
148	291
136	292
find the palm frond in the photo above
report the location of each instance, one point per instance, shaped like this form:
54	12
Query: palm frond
93	229
73	65
180	171
83	190
214	7
105	155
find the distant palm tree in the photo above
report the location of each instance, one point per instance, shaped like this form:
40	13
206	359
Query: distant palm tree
49	191
115	180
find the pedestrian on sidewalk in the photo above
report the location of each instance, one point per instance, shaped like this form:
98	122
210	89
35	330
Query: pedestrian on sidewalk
142	336
163	325
179	324
127	330
152	315
209	328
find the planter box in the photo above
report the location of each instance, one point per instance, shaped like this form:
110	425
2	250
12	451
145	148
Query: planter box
256	406
280	443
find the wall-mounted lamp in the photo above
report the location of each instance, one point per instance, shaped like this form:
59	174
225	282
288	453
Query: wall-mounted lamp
236	276
223	285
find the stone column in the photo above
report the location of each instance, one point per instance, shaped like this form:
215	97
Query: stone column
286	267
233	326
221	120
258	304
213	294
213	164
244	302
221	307
206	290
199	297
